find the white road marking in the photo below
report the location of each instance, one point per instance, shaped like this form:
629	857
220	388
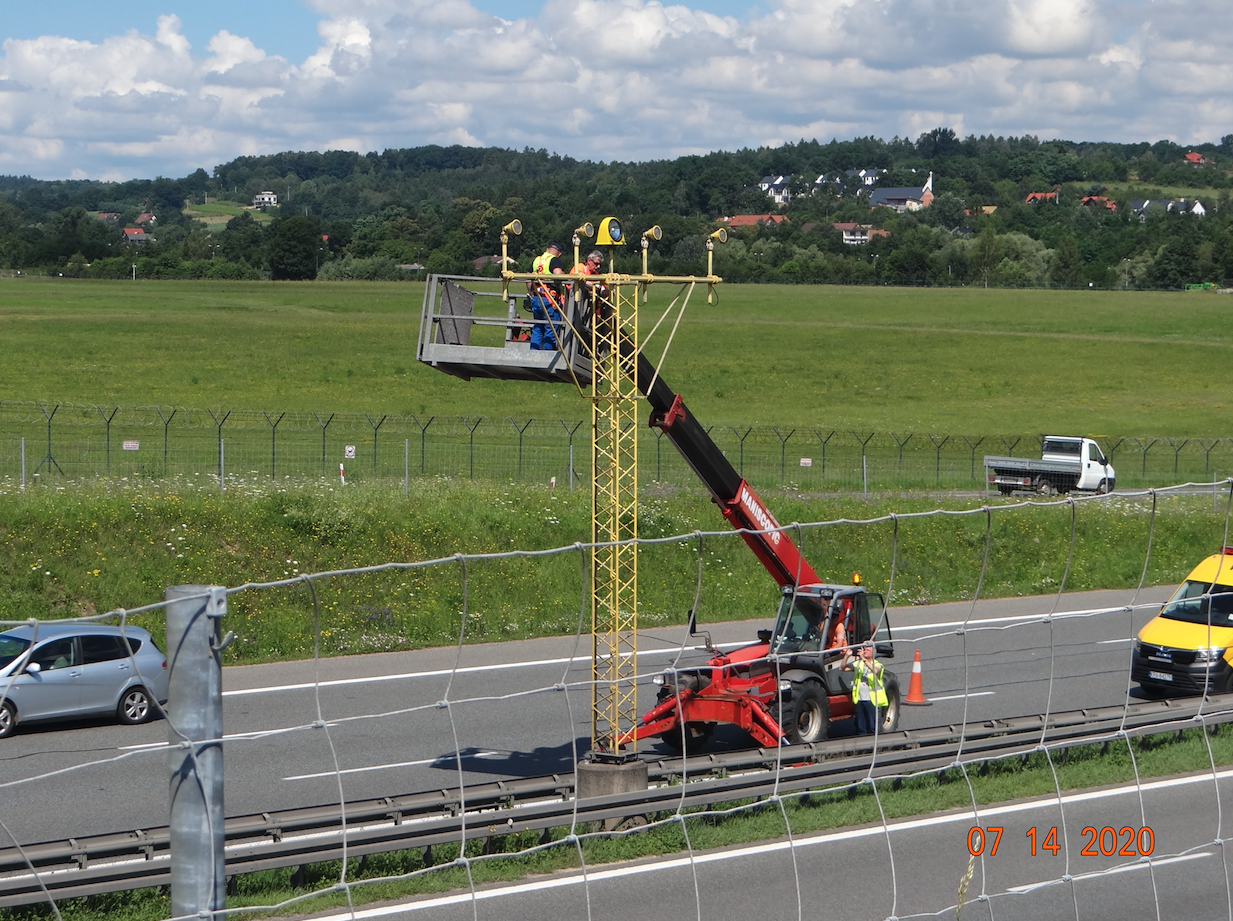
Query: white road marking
676	863
384	767
466	669
672	651
961	696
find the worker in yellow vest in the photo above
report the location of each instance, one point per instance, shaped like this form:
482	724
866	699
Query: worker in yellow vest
868	689
546	299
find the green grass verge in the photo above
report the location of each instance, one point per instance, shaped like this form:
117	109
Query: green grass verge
873	359
96	549
737	823
220	212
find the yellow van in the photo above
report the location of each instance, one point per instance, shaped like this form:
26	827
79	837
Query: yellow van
1188	647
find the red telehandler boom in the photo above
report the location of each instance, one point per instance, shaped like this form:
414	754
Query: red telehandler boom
788	686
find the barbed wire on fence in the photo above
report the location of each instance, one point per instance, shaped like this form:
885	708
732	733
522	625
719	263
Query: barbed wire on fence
76	440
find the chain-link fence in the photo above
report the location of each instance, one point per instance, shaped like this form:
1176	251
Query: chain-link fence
53	442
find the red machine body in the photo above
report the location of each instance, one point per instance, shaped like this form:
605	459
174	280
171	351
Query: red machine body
788	686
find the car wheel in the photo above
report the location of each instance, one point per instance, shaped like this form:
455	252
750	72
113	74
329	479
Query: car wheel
136	706
8	719
806	717
1103	488
1044	487
889	715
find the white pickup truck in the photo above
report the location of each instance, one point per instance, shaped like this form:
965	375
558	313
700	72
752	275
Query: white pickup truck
1065	464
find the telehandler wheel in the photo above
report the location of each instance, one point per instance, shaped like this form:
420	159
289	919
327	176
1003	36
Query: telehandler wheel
806	717
889	715
695	737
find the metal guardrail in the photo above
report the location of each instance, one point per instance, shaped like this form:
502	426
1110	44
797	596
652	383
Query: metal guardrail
138	859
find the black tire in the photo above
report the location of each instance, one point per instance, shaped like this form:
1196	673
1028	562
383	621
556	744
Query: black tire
888	716
696	736
1103	488
1044	487
806	717
8	719
136	706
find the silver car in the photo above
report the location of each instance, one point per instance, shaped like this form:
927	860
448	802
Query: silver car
65	671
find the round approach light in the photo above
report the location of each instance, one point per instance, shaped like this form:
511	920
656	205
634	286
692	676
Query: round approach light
610	232
514	227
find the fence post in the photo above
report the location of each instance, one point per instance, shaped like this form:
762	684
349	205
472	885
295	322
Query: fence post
520	433
23	463
471	429
864	459
824	441
324	425
1177	449
406	468
972	446
48	460
1150	445
222	467
107	421
1207	454
423	429
166	422
783	452
195	761
937	452
374	440
741	438
570	432
219	424
901	444
273	433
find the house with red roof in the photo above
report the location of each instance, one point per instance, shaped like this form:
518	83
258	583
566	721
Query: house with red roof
752	220
1195	159
1035	198
855	234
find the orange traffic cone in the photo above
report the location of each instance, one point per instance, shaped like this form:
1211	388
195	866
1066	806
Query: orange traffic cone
916	693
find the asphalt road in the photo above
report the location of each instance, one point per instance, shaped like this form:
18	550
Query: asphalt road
850	875
388	736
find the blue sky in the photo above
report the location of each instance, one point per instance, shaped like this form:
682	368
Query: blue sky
114	90
284	27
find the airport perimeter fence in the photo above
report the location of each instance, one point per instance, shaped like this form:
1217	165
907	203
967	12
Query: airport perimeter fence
56	443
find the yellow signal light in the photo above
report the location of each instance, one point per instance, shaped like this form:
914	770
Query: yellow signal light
610	232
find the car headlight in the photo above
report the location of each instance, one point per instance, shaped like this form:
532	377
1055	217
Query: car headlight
1208	654
1137	644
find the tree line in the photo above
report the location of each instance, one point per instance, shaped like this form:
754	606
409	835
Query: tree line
440	209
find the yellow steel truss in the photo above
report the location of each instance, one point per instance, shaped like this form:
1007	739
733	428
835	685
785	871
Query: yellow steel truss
614	488
614	523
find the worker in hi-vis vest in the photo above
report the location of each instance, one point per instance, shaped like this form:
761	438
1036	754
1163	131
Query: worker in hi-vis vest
868	689
546	299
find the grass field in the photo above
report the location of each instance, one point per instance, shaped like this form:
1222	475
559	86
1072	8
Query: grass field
884	359
218	213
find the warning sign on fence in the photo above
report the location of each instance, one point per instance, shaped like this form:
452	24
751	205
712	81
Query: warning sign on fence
806	461
132	445
349	452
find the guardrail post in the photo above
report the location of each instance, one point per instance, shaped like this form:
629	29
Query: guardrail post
195	732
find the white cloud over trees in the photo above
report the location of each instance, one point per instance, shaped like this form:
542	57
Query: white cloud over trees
619	79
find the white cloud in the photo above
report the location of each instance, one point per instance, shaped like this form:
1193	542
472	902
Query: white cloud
620	79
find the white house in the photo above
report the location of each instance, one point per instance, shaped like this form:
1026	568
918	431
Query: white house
265	200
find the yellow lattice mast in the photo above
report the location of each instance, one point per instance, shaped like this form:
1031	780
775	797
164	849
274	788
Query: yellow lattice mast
614	393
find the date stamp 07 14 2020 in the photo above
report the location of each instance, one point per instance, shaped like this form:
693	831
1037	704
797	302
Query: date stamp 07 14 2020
1108	841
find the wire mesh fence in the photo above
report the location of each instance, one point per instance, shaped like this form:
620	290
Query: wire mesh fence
450	720
54	441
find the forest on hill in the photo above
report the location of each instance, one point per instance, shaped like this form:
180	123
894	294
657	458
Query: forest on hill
1107	215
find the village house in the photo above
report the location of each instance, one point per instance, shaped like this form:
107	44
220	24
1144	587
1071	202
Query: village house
265	200
855	234
903	199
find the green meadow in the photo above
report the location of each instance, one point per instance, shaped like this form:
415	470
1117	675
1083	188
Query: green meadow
875	358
